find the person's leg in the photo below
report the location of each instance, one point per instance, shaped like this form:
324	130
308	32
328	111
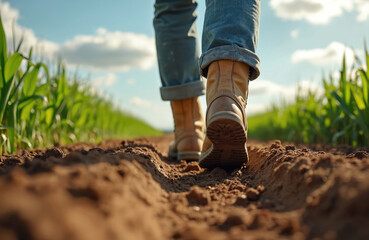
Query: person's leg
178	52
231	32
177	49
228	61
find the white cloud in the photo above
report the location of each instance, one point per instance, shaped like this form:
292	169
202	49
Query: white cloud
332	54
105	80
139	102
116	51
287	92
295	33
318	11
363	9
263	93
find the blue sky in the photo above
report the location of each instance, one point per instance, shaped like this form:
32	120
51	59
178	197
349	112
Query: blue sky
298	41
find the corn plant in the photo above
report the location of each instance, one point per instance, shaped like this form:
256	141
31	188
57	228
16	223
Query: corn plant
37	109
339	116
11	78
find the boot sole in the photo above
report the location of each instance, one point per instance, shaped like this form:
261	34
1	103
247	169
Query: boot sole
185	155
227	133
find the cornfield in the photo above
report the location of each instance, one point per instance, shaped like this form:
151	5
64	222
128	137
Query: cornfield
338	116
37	109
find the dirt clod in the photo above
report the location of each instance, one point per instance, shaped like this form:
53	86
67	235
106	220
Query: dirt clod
252	194
54	152
361	155
198	196
241	200
290	147
194	166
232	221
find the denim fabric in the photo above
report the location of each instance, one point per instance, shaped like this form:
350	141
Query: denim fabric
230	32
177	49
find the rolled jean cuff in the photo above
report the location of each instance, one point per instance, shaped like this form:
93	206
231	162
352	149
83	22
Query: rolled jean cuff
179	92
230	52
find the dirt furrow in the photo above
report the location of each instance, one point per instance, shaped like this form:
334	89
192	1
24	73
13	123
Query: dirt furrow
131	190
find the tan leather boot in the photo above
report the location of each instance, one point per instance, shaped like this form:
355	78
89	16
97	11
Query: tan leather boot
226	126
188	129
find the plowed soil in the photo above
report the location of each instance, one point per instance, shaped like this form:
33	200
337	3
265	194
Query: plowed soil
131	190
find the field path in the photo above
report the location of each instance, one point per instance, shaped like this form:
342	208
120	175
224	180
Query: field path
130	190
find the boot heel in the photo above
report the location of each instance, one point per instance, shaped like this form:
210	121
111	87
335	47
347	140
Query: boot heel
226	132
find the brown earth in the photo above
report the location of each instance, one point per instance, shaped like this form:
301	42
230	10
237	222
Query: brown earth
130	190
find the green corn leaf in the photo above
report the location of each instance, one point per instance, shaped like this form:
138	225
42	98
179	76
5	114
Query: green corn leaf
359	106
367	59
46	70
82	119
362	122
19	44
44	89
326	86
359	100
2	127
340	134
342	105
30	81
2	81
345	86
30	57
29	99
3	141
365	83
25	111
12	121
15	91
3	50
49	116
354	138
343	74
12	65
26	141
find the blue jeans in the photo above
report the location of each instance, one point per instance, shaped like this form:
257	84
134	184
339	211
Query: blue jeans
230	32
